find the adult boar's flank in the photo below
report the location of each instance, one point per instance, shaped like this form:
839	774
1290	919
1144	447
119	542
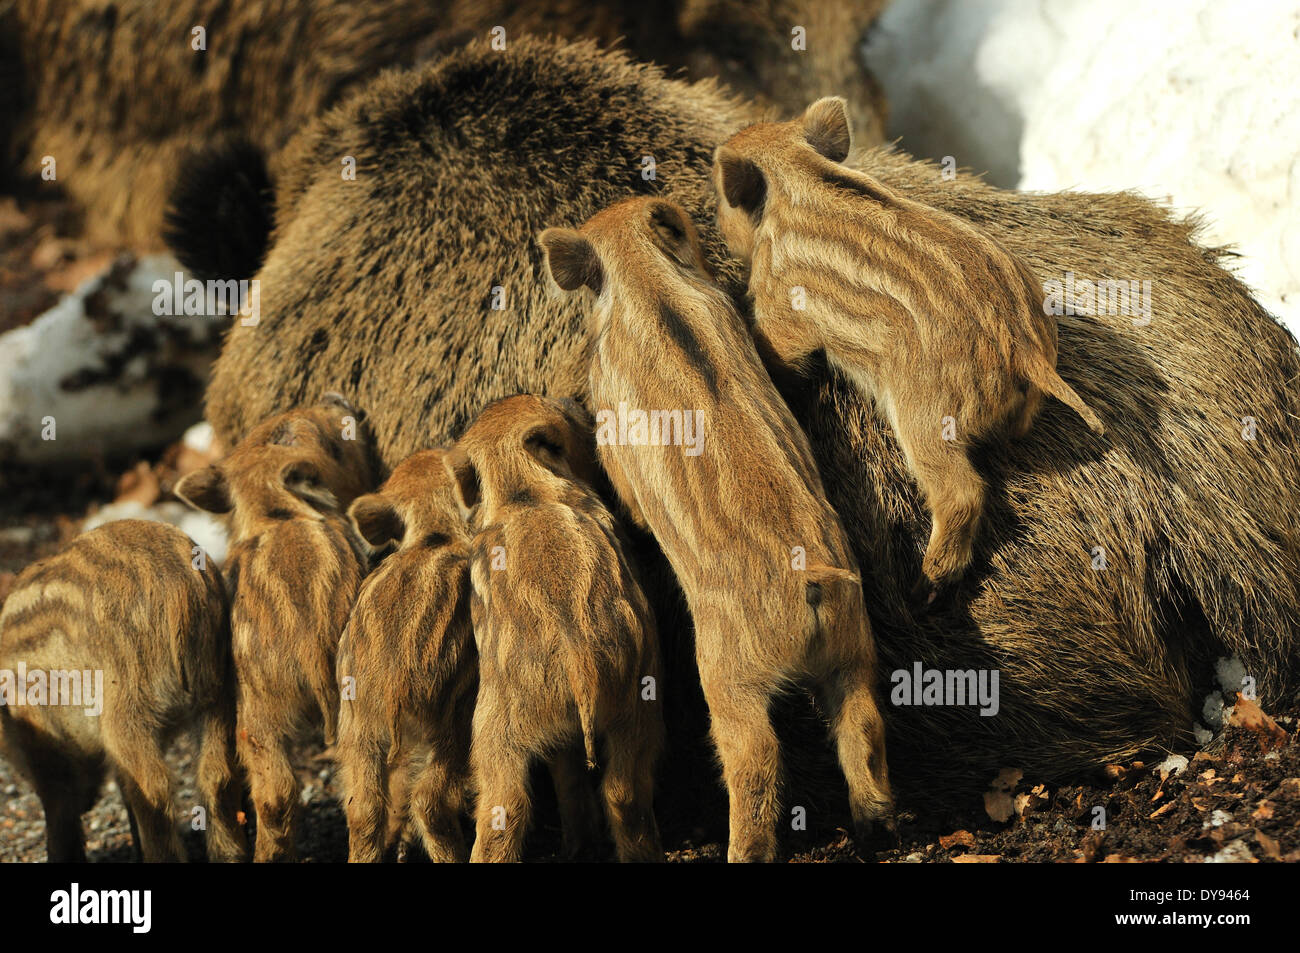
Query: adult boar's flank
384	286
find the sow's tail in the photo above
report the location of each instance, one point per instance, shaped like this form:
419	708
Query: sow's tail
1043	376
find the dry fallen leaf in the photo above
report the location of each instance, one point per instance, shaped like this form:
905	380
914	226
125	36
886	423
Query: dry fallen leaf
1290	787
1269	844
1091	847
1264	812
977	859
957	838
139	485
997	799
1035	800
1247	714
1162	810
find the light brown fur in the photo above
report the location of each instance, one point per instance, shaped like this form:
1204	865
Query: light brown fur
936	322
294	570
565	635
766	567
129	600
408	655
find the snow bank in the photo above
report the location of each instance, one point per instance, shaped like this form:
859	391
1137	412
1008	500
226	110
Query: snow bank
1197	104
100	372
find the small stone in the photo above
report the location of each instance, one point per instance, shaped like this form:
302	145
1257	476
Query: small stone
1235	853
1217	819
1175	764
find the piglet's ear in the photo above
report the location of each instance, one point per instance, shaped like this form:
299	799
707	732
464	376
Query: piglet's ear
464	478
376	520
571	260
303	479
673	232
205	489
546	443
826	127
738	180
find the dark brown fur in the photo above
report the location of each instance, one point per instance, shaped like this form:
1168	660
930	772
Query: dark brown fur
113	90
294	569
568	653
470	159
407	656
126	599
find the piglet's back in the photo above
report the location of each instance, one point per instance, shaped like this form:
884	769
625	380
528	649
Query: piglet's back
131	596
559	569
754	467
415	604
292	586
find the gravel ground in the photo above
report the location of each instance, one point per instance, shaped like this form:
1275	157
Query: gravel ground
1238	804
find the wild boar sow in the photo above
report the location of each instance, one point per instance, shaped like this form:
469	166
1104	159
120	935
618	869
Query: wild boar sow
1106	577
123	639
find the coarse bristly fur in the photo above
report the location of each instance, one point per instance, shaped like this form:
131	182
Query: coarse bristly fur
568	653
407	670
116	92
294	569
935	322
384	286
138	603
742	517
